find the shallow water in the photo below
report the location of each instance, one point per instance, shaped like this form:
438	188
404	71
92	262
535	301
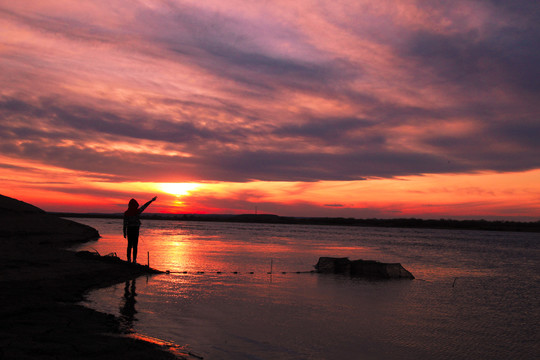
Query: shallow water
476	294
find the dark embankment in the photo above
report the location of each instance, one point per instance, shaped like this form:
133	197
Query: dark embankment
41	283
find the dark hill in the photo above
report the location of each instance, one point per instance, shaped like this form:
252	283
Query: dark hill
24	221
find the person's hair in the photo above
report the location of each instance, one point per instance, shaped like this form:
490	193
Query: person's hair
133	206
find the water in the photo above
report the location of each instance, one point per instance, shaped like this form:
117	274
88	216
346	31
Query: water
491	312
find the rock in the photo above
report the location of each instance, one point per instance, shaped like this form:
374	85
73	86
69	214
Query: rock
138	269
29	223
330	265
371	268
365	268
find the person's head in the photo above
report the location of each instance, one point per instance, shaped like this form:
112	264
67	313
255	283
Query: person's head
133	204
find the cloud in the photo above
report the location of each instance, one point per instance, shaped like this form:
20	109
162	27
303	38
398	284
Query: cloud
184	91
349	148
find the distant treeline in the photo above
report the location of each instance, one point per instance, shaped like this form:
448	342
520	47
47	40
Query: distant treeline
338	221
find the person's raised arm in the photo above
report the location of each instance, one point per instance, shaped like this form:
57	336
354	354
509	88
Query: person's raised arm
141	209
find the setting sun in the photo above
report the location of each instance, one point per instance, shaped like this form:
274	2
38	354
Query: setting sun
178	189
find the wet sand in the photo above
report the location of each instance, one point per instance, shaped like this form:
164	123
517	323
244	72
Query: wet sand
41	285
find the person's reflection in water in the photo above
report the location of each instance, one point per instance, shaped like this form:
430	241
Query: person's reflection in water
127	310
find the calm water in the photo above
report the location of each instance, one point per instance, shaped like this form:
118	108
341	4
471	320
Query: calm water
491	312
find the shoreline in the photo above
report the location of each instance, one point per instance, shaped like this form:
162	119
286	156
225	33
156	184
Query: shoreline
42	285
403	223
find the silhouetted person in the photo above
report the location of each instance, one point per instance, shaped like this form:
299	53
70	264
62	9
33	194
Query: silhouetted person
132	223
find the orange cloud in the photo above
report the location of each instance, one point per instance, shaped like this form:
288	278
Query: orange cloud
487	194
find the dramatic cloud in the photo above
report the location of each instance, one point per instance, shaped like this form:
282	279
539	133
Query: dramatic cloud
303	91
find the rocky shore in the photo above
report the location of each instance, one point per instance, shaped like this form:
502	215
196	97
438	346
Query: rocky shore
41	284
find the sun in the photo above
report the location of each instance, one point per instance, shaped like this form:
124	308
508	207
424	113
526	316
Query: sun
178	189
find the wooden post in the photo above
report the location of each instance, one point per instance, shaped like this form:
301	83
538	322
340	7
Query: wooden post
148	258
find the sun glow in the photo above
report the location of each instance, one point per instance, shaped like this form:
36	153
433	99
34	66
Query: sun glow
178	189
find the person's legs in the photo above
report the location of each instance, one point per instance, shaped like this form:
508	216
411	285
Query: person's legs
129	246
135	243
133	240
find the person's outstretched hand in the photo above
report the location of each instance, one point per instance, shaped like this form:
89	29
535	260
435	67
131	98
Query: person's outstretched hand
154	198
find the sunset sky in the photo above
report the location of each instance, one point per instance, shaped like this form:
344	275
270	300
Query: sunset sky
385	109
